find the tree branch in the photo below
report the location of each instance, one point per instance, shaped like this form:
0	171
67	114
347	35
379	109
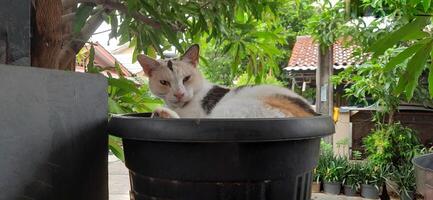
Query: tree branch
88	29
66	4
114	5
138	16
74	45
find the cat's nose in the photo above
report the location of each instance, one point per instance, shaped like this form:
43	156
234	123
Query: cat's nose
179	95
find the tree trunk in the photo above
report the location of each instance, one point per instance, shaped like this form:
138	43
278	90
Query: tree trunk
48	43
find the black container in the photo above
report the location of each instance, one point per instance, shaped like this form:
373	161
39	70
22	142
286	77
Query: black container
210	159
350	191
332	187
370	191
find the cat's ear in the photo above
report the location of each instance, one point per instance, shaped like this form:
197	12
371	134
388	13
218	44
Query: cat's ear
147	63
192	55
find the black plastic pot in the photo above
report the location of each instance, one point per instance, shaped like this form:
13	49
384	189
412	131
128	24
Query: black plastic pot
350	191
369	191
332	187
215	159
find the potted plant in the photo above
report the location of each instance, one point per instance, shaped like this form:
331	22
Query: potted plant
373	180
315	185
334	175
326	154
404	177
352	179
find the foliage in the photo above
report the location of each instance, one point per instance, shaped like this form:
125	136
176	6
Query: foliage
309	94
268	79
249	33
392	144
404	177
368	84
243	50
409	24
330	168
353	175
325	156
124	96
326	25
374	174
216	66
335	169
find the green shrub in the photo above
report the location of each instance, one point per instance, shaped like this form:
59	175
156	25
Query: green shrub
392	144
374	174
353	175
244	79
335	169
325	156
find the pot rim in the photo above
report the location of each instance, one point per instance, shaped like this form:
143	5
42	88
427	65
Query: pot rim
416	160
141	127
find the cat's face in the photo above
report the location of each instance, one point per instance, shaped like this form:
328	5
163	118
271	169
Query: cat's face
174	80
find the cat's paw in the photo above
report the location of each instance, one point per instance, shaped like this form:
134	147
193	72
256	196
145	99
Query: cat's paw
162	112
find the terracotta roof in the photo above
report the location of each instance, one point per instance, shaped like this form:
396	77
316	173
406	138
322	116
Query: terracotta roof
305	55
106	60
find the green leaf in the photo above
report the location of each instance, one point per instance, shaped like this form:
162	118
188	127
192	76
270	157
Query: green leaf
430	77
426	5
91	68
132	5
380	46
123	84
114	23
114	107
402	56
115	148
83	12
236	62
409	80
415	35
240	14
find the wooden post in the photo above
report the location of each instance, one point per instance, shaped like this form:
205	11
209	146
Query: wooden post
324	89
15	32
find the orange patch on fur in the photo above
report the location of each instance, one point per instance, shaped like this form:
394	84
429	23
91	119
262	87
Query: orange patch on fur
288	107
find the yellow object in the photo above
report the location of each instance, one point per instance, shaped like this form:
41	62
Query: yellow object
336	114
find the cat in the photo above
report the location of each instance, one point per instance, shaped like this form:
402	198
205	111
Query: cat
187	94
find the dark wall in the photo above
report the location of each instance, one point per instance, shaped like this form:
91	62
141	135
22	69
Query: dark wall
420	121
53	141
15	32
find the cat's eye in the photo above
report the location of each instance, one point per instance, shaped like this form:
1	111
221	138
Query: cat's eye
186	79
164	82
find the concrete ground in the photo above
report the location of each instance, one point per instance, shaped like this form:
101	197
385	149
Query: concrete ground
118	179
119	184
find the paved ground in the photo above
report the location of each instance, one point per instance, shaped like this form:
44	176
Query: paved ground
119	184
118	180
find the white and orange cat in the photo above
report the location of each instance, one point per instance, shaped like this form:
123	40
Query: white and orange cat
187	94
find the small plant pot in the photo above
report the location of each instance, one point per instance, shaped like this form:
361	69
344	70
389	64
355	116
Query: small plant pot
350	191
392	188
369	191
315	187
332	187
407	195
